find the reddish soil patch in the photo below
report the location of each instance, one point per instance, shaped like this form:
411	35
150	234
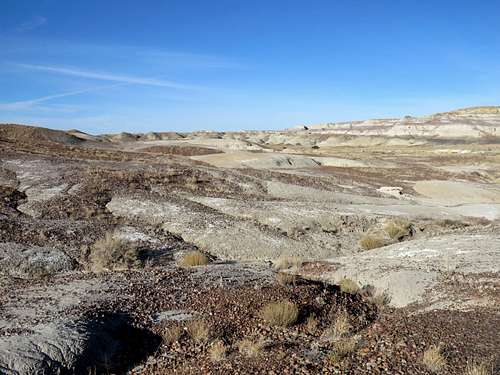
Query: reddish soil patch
390	341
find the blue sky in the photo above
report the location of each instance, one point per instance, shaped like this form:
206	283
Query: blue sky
110	66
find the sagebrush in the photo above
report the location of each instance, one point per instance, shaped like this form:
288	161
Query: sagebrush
198	330
251	348
371	241
434	359
194	258
285	279
218	351
113	253
349	286
283	313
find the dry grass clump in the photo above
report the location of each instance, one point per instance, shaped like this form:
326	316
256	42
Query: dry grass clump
113	253
172	334
285	279
346	345
192	183
343	347
433	359
251	348
477	369
282	314
397	228
311	324
198	330
194	258
450	223
349	286
284	263
381	299
371	241
370	294
339	329
217	351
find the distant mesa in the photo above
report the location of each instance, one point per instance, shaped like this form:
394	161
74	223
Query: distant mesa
481	123
480	110
466	123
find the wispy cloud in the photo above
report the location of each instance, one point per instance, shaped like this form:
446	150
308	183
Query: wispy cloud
186	60
109	77
32	24
156	59
32	103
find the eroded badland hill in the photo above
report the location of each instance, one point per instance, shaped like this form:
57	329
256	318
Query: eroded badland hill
368	247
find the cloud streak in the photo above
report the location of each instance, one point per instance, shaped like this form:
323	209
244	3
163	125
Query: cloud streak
32	24
109	77
29	104
186	60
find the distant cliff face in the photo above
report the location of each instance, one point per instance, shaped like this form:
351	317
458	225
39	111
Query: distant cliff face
475	122
482	110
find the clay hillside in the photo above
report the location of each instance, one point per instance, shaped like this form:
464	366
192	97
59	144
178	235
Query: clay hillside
364	247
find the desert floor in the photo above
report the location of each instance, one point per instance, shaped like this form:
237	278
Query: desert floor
384	252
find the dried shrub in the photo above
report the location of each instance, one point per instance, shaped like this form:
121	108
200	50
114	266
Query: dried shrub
339	329
285	279
198	330
478	369
251	348
451	224
284	263
371	241
397	228
194	258
192	183
283	314
433	359
381	299
367	291
172	334
343	347
349	286
217	351
113	253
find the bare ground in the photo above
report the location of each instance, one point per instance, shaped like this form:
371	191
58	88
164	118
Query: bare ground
63	192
